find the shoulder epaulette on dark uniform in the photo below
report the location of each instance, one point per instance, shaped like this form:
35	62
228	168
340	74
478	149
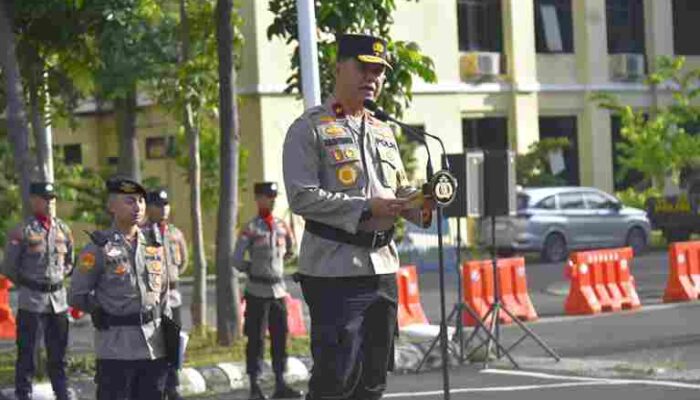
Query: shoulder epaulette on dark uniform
154	235
99	238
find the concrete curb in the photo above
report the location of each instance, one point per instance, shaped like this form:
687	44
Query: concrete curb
228	377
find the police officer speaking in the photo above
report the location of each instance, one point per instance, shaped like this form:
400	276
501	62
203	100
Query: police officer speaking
38	257
122	282
344	176
269	242
176	257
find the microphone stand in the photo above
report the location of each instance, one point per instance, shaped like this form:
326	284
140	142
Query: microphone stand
420	135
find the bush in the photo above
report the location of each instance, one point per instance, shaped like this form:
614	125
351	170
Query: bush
633	198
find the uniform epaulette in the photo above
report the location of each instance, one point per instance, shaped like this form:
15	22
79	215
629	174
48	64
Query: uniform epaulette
313	111
98	237
154	232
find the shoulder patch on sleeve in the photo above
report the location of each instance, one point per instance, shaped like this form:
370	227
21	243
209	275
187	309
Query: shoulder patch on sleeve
87	261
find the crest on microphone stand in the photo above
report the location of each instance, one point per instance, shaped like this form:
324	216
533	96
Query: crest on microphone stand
443	188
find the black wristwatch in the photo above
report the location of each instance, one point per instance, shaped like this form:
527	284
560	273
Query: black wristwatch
366	212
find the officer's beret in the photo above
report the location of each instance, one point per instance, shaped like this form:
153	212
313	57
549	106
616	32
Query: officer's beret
368	49
157	197
124	185
46	190
265	188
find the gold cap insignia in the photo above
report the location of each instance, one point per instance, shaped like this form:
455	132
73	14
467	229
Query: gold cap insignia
378	48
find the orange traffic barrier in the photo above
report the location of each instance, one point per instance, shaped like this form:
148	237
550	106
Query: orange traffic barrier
473	285
8	327
683	262
625	280
600	285
505	281
522	295
600	281
487	273
410	311
479	285
295	317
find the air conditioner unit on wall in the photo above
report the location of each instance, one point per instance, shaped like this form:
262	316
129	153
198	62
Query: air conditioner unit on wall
476	65
627	66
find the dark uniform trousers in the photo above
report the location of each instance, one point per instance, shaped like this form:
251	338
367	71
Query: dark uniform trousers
353	323
122	379
55	328
261	313
172	381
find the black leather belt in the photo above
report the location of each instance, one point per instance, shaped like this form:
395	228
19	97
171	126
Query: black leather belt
372	240
266	280
136	319
39	287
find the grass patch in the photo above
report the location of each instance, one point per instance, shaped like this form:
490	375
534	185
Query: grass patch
202	350
631	369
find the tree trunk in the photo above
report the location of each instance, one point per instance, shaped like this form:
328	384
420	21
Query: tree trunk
199	297
16	113
125	109
38	102
227	306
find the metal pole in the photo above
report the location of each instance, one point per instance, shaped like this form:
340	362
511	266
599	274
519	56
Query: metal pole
443	319
460	299
306	22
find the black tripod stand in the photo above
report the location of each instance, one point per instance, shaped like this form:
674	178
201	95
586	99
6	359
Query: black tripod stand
455	316
494	332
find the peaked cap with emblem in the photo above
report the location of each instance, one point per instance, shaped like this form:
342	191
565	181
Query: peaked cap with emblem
124	185
265	188
158	197
365	48
46	190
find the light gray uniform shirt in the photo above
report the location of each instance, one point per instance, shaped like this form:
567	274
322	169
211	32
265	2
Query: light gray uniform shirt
42	257
122	279
267	249
332	166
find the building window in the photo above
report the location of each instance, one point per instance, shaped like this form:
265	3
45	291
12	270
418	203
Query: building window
625	21
485	133
479	23
554	29
633	178
72	154
686	27
160	147
554	127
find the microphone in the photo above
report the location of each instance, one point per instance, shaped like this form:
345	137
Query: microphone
418	134
413	132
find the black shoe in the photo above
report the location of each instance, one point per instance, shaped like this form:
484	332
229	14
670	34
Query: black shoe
287	392
255	392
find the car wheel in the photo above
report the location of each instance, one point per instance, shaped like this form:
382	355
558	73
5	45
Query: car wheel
554	248
637	240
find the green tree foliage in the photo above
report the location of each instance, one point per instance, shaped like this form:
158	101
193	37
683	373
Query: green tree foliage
334	17
667	140
533	169
10	200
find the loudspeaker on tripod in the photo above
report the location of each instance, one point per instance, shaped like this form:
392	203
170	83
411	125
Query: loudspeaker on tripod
499	183
468	170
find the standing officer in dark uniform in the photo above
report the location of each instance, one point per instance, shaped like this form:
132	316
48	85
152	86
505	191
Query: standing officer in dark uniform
122	281
269	242
175	249
343	174
38	257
